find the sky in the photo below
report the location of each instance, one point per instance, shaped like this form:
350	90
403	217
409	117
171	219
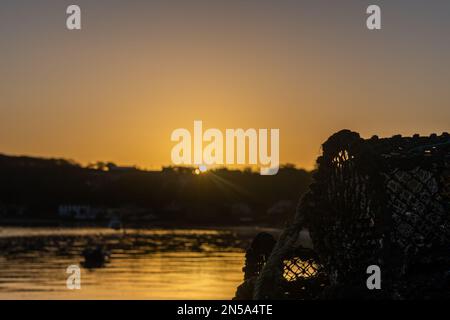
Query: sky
115	90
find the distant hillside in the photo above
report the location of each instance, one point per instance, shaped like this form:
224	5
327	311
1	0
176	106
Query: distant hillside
35	188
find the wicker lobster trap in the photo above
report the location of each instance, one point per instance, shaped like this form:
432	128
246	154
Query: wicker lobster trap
383	202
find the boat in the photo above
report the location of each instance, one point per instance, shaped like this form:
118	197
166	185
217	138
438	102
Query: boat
115	224
95	257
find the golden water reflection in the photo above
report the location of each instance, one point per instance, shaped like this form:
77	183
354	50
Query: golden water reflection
207	266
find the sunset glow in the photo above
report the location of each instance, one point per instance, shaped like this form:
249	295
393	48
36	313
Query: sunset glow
310	72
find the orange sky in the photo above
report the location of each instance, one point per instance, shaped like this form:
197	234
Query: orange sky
115	90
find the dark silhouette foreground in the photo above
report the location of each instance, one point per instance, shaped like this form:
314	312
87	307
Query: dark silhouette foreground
383	202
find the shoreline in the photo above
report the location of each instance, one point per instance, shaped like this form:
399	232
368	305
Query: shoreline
135	225
21	231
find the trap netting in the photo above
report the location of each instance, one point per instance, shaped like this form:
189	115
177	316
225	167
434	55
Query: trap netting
381	202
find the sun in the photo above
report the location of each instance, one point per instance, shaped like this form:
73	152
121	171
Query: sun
201	169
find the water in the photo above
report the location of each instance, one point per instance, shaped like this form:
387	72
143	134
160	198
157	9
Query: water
150	264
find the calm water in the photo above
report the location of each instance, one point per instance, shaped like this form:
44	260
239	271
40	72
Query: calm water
150	264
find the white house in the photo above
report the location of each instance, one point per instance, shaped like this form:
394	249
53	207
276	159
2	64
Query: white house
80	212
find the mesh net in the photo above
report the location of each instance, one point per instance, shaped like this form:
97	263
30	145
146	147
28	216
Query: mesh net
378	202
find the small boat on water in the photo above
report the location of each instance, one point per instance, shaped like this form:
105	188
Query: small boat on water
95	257
115	224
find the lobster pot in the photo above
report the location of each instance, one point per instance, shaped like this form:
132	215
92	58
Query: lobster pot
382	202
